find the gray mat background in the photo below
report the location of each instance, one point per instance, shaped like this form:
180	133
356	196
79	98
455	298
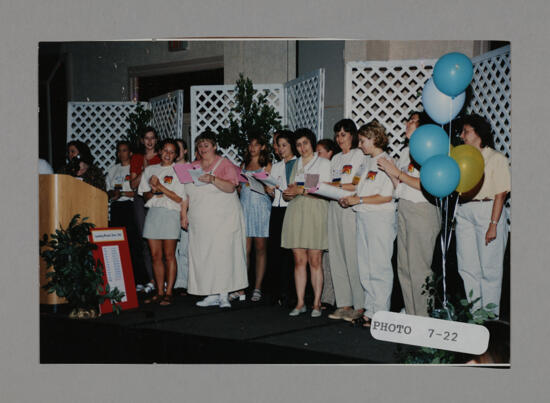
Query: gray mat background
24	24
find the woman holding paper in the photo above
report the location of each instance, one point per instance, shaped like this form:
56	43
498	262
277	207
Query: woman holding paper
376	224
256	210
305	222
346	169
279	260
418	223
217	243
166	200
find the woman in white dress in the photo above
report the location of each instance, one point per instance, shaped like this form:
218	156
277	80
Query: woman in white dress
217	243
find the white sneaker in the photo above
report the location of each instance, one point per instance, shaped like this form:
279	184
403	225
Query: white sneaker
211	300
224	302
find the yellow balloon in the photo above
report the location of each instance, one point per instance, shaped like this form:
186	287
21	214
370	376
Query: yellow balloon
471	164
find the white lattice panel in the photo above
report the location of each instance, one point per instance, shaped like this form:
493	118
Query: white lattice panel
305	101
386	91
492	91
212	104
168	114
100	125
492	98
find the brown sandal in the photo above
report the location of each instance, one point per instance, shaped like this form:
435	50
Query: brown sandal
167	300
155	298
362	322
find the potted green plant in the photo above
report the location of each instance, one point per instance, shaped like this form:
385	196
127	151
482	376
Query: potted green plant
76	275
249	116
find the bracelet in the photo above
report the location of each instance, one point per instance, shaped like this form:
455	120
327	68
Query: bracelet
494	222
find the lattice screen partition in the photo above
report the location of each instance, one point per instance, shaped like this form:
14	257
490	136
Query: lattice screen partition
305	102
386	91
492	92
211	105
100	125
491	88
168	114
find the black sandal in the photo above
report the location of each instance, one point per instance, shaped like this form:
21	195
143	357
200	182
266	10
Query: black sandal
361	322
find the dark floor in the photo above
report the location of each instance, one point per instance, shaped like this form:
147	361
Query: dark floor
246	333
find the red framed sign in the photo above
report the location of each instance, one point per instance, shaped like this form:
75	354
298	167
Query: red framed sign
114	253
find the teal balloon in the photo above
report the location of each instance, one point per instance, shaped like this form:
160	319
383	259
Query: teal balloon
428	141
453	73
440	175
440	107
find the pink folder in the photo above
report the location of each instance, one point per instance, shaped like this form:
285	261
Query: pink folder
182	172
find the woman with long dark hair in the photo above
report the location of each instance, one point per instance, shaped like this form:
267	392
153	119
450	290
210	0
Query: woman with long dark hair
256	210
146	156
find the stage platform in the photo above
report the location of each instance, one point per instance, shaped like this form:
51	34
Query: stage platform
183	333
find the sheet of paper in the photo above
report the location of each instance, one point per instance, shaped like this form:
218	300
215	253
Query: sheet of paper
266	179
330	192
182	172
195	173
311	181
255	184
113	268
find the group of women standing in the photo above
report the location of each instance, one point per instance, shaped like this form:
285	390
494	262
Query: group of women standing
219	220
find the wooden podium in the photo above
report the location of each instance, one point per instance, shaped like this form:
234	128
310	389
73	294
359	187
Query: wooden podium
61	197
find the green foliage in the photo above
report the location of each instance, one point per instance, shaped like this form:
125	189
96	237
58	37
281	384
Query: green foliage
249	117
462	313
77	276
137	122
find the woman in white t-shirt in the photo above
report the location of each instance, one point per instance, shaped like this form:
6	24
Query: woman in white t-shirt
346	169
376	224
418	224
165	196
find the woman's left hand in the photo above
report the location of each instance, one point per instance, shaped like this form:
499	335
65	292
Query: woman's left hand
491	234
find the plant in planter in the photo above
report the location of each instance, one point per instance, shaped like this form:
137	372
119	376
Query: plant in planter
76	275
137	122
248	117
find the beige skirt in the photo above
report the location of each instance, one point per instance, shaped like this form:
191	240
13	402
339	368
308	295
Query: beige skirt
305	224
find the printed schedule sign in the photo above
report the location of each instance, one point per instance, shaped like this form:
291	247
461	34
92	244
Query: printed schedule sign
113	251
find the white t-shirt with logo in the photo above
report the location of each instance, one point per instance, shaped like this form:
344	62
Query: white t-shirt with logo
403	190
119	175
374	181
346	166
167	177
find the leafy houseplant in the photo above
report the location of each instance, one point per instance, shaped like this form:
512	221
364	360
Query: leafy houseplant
76	275
137	122
249	117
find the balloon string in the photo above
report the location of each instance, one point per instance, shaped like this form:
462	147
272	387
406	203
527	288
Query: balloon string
444	252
